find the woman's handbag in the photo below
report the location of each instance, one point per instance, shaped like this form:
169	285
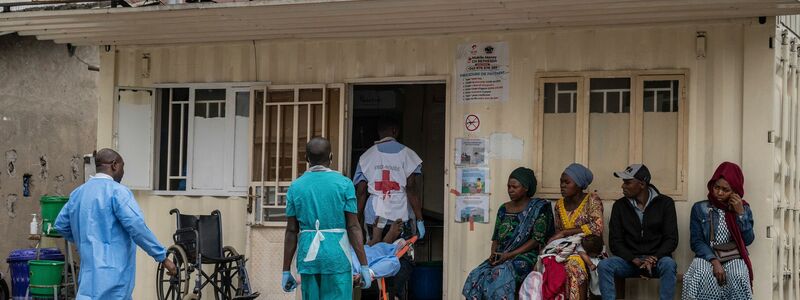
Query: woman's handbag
725	252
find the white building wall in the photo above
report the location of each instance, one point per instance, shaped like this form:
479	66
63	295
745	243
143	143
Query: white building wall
721	96
783	159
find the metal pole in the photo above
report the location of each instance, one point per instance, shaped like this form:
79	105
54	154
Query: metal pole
71	265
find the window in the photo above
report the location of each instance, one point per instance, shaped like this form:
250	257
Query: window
284	119
609	130
202	146
618	118
663	133
560	97
133	138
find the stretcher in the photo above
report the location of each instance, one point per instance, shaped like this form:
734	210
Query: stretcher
382	280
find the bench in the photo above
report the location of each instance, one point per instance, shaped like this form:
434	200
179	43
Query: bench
619	283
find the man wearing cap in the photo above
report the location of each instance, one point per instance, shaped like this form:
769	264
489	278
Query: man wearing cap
643	233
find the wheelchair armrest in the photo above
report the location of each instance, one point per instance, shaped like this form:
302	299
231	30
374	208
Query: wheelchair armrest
182	231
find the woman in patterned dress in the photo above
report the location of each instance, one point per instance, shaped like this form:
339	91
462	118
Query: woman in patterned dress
577	212
724	218
523	225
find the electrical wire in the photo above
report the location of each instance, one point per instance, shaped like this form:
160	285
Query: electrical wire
90	66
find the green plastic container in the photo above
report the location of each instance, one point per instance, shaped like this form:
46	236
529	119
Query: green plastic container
44	273
51	206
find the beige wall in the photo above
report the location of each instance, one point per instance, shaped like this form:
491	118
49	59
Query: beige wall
715	101
156	210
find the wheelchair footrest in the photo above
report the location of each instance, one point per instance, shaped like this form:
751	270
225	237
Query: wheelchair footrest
247	297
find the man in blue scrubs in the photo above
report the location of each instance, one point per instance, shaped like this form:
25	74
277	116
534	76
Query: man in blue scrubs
322	225
103	219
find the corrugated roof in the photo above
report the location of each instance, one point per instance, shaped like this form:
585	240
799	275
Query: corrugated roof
304	19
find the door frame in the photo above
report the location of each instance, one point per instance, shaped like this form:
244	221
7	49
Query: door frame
448	159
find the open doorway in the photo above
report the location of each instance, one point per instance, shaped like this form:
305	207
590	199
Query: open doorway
420	111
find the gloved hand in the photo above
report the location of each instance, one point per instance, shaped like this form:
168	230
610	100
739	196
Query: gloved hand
366	277
287	282
421	228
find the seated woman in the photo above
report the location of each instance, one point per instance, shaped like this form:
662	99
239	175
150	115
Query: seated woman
577	212
724	221
523	225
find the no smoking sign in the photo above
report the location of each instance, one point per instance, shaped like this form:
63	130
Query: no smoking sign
472	123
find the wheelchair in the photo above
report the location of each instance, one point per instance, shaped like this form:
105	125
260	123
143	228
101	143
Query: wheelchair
198	242
4	291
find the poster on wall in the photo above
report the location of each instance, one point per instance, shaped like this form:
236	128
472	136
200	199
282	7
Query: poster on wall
471	151
482	72
475	207
472	180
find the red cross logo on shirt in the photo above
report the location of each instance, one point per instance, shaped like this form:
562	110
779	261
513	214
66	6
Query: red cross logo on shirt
386	185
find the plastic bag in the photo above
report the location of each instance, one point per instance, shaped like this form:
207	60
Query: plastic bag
531	287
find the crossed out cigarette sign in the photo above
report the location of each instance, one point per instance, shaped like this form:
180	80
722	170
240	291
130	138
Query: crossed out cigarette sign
472	123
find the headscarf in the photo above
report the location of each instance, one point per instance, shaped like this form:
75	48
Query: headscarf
581	175
734	176
525	177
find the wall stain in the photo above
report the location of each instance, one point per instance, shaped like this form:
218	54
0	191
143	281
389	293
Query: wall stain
11	161
43	167
76	164
60	185
11	201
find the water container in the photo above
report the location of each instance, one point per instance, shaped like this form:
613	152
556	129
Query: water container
45	275
51	206
18	263
426	281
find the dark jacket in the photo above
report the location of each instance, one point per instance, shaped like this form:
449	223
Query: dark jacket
701	231
658	236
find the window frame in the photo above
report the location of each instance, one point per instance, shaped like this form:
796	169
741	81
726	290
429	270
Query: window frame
229	188
635	154
539	128
258	201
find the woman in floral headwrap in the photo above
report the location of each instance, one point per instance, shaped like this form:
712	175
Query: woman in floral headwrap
577	212
523	225
723	220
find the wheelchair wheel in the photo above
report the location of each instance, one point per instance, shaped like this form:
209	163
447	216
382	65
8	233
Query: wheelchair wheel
229	280
4	294
173	287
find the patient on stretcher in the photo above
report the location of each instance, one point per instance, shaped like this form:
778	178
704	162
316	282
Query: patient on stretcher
381	254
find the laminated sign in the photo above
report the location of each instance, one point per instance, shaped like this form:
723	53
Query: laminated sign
482	72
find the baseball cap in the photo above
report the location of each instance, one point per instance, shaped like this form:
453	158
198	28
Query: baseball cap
635	171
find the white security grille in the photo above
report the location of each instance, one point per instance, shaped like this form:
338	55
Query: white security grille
284	119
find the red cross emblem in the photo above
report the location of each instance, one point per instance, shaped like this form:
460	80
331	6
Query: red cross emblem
386	185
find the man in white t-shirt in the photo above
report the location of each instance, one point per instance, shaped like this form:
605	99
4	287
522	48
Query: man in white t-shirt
385	186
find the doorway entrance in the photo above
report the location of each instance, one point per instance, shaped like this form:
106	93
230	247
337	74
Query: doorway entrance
420	110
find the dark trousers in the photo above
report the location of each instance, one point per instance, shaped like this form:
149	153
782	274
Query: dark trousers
397	284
